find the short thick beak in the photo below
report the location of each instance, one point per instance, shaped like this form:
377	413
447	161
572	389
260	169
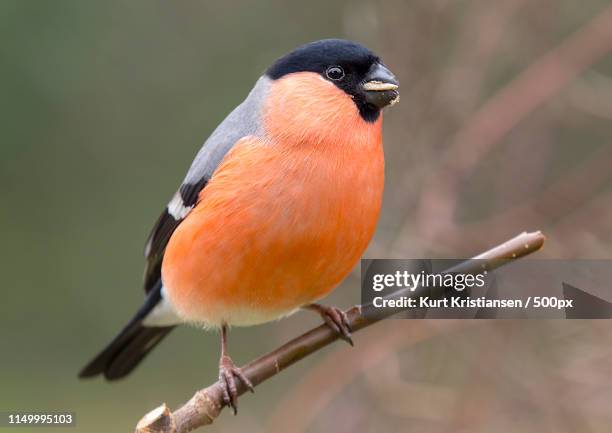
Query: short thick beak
380	86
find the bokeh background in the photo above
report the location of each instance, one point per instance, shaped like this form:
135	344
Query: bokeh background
505	125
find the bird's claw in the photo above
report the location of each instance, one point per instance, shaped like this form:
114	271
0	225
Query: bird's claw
228	372
336	319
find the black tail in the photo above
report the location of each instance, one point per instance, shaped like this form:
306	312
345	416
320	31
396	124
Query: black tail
130	346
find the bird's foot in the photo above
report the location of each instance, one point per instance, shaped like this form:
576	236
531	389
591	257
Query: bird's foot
228	373
336	319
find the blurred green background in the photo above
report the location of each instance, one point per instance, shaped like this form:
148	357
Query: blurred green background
504	126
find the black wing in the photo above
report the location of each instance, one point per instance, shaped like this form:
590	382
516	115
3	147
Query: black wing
176	211
241	122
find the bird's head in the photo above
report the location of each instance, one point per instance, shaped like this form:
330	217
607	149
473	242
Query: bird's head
316	71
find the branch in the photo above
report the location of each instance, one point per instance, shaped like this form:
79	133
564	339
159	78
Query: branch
207	403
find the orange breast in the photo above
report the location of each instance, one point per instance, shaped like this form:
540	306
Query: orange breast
285	217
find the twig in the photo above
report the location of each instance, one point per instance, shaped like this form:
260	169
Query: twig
206	404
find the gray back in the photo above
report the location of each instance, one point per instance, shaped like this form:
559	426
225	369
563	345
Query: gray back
244	120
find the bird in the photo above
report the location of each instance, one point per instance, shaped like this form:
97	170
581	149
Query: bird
276	209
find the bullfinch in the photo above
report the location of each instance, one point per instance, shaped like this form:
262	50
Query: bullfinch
276	209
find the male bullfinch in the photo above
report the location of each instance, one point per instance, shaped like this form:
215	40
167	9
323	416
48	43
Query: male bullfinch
275	210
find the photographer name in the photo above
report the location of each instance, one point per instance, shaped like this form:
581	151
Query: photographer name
452	302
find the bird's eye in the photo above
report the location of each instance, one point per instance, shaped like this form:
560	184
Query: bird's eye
335	73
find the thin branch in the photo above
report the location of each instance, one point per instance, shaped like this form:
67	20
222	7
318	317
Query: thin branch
206	404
